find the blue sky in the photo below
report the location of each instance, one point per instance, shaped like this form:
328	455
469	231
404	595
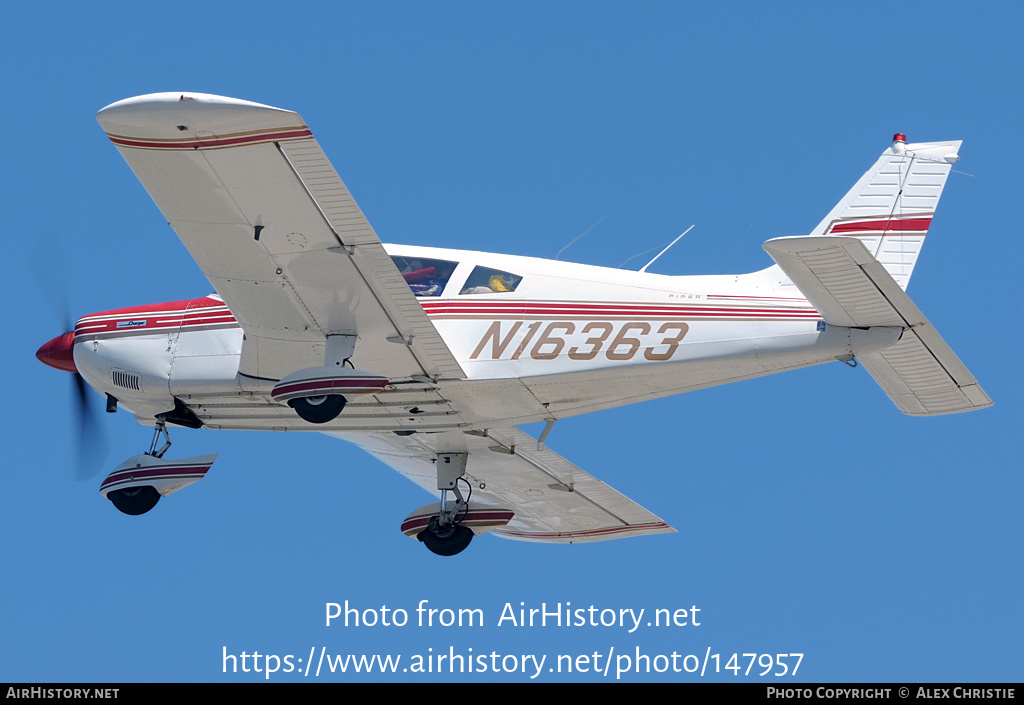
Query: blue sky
812	517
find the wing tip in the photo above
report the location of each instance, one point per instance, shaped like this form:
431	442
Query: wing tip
587	536
180	97
178	114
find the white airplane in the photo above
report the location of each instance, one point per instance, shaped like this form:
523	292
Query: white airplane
429	358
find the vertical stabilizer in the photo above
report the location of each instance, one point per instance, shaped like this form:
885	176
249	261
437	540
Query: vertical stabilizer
891	207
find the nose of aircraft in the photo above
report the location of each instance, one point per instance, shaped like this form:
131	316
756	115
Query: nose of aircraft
59	352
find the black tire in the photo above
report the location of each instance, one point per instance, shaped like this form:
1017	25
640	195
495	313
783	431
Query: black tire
134	500
455	541
318	409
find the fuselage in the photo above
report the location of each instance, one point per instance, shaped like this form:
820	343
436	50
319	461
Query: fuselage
537	339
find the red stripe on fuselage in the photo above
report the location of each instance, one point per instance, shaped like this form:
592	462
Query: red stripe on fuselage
157	317
525	309
208	312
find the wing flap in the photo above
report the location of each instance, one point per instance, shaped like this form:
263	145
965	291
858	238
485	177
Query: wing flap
849	287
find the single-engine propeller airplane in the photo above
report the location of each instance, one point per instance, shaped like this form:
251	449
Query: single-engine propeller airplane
429	358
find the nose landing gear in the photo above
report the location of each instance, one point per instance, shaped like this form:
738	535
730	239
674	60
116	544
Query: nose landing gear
137	484
138	499
134	500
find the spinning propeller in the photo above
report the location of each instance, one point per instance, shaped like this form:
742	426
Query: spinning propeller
91	447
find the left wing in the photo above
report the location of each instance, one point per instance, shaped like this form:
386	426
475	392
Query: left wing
554	501
260	208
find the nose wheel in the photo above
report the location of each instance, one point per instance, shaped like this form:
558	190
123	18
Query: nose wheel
134	500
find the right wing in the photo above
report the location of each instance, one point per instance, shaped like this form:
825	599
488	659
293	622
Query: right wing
553	500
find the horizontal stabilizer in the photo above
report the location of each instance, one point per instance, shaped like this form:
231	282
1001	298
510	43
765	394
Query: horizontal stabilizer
850	288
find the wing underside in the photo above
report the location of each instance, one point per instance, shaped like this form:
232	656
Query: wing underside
553	500
262	211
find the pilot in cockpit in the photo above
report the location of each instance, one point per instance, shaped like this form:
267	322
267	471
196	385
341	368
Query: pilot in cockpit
490	281
426	277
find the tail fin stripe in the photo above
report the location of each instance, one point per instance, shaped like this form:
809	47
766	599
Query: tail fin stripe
895	225
889	209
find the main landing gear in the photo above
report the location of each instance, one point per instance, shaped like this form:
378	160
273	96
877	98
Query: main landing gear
318	394
445	535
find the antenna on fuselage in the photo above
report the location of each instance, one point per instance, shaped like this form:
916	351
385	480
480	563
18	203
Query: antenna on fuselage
596	223
644	268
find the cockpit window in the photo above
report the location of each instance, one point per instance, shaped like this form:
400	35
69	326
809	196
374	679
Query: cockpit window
484	280
426	277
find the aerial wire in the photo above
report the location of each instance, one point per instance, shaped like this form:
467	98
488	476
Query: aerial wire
644	268
596	223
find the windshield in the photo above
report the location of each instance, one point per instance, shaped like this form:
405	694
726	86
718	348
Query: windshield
426	277
485	280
